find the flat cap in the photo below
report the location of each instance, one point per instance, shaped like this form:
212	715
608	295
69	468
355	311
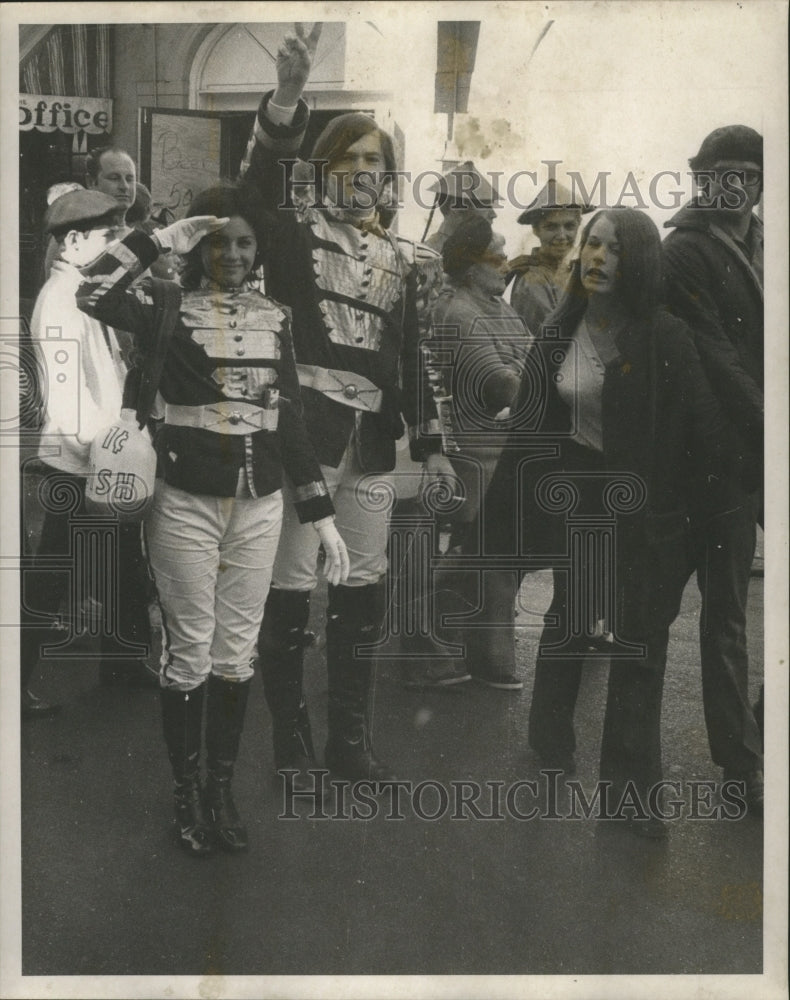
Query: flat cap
730	142
551	196
466	183
76	208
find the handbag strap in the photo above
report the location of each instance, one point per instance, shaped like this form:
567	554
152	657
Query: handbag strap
167	301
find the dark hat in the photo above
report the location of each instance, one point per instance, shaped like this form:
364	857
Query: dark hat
82	210
466	246
731	142
466	183
551	197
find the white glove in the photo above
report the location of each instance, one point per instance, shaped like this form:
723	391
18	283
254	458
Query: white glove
184	234
336	564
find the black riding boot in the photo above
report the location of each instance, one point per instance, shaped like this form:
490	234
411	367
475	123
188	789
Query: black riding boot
354	618
182	717
281	647
227	705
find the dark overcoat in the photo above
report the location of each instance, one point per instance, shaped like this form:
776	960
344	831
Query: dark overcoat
665	440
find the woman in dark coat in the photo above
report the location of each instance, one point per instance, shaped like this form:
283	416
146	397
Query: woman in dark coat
617	433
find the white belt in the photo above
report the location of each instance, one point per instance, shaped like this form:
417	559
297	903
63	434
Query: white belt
344	387
225	417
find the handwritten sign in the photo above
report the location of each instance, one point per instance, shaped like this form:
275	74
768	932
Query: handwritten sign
185	159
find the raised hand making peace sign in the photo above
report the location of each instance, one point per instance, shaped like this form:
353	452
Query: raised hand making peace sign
294	59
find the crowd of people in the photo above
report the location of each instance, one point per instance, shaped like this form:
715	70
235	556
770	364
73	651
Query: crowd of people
604	363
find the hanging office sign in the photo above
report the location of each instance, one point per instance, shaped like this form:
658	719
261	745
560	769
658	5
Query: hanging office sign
50	113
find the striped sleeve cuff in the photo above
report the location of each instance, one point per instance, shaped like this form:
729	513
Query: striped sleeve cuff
280	138
118	266
425	440
312	502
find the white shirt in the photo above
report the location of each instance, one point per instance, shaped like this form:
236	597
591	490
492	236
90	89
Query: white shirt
581	387
82	372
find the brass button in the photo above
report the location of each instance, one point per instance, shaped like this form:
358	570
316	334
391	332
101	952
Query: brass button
234	418
238	336
240	351
232	324
350	391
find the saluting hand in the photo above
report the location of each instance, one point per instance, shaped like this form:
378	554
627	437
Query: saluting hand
294	59
184	234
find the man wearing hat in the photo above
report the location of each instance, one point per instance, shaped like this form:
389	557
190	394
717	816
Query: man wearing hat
460	193
83	386
714	281
540	276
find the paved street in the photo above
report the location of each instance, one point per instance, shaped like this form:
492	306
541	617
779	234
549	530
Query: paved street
105	891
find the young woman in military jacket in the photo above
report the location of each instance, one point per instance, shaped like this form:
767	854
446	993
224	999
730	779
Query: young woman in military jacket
231	425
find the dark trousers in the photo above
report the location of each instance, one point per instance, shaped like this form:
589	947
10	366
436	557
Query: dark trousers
631	746
118	579
726	550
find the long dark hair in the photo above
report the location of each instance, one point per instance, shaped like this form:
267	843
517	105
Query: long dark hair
639	272
226	200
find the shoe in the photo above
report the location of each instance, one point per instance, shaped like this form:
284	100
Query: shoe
221	812
559	762
502	682
33	707
191	828
438	675
753	788
652	828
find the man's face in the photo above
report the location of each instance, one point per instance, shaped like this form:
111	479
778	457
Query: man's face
345	187
117	177
731	186
488	274
81	249
557	232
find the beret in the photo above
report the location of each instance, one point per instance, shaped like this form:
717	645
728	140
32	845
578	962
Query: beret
74	209
467	245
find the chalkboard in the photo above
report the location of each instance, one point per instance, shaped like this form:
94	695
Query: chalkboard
182	152
185	157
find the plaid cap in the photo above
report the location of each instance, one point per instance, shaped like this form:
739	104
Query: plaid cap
75	209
